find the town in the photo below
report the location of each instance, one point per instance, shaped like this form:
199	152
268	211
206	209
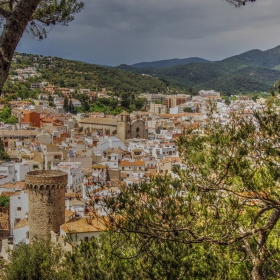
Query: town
100	153
140	142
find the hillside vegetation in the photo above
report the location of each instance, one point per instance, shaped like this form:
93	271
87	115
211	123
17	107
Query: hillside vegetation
168	62
254	70
75	74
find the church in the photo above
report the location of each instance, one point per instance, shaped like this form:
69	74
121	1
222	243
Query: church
121	126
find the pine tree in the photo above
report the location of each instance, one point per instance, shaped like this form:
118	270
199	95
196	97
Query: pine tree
86	106
34	16
71	107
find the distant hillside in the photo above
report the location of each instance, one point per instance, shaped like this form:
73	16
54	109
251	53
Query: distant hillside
254	70
75	74
168	63
244	80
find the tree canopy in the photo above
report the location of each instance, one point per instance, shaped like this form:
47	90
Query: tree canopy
4	201
227	194
33	16
216	217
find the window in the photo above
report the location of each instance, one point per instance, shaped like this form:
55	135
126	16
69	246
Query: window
18	208
86	239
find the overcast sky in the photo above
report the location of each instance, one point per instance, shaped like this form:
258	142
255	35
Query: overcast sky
112	32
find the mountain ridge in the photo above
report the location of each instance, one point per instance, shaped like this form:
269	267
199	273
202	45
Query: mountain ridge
167	63
230	75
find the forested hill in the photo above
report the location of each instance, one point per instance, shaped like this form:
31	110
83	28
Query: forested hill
75	74
168	63
251	71
254	70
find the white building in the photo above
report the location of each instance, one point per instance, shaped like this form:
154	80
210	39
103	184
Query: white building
14	171
75	174
112	159
109	143
19	217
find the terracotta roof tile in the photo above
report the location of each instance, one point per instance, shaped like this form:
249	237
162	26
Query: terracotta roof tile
21	224
83	225
129	163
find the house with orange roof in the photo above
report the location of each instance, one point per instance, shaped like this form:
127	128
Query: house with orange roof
20	229
50	88
30	117
64	91
82	229
128	167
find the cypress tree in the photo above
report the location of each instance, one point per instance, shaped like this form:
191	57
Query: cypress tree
66	104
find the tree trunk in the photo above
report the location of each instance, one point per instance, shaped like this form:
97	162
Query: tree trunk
257	272
16	23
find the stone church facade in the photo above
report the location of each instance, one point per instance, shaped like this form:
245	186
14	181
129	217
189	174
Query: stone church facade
122	126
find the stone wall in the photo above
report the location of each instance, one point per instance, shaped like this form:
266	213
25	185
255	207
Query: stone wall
123	130
138	130
46	199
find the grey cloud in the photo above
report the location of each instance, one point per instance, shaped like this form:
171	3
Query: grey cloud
127	31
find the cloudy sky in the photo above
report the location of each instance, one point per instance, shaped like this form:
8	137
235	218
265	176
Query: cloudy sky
111	32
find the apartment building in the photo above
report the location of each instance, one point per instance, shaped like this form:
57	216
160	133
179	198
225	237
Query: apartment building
157	108
175	100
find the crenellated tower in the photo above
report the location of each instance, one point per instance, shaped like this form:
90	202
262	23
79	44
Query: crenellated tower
46	199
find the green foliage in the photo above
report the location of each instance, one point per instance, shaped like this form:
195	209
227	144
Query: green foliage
251	71
188	109
227	196
103	258
38	261
72	108
47	14
4	201
3	155
19	90
167	63
66	104
106	105
74	74
6	117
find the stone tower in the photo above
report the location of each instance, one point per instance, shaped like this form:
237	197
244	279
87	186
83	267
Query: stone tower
46	199
123	126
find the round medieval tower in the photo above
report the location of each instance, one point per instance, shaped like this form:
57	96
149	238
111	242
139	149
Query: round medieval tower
46	199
